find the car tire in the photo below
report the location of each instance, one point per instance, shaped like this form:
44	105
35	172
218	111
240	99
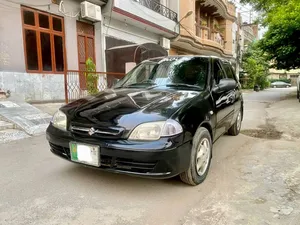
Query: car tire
297	94
200	158
235	129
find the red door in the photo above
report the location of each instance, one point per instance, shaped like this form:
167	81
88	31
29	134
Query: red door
86	48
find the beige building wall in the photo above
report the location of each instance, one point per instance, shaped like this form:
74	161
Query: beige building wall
205	32
189	22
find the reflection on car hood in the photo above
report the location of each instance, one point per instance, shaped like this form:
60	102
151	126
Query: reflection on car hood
127	107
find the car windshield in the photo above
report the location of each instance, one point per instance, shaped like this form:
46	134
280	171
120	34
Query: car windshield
184	72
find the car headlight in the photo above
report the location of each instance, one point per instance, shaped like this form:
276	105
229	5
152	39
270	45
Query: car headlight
154	130
59	120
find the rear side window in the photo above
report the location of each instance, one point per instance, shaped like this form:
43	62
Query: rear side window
228	70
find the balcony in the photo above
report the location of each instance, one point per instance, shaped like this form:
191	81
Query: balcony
159	8
148	15
248	33
222	8
210	37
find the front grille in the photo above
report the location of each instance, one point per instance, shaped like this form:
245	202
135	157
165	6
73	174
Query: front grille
64	152
127	164
111	162
100	132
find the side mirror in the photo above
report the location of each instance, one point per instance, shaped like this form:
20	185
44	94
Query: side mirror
225	85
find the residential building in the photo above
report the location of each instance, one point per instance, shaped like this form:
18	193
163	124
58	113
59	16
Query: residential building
135	30
209	30
284	74
250	33
239	44
41	41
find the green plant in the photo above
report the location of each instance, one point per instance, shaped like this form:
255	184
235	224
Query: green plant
256	67
91	77
281	40
203	23
216	26
283	80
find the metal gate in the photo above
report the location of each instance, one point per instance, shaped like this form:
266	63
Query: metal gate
75	89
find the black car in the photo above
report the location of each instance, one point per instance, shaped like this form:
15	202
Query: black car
159	121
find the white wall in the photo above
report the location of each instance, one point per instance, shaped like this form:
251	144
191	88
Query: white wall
34	87
11	37
141	11
120	30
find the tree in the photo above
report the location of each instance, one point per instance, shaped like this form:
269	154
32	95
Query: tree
265	6
281	41
256	66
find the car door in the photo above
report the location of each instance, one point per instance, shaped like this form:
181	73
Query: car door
224	100
237	91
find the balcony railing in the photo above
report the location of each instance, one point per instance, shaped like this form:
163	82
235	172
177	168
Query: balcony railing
159	8
207	34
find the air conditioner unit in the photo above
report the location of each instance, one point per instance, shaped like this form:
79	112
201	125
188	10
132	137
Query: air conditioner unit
165	43
91	11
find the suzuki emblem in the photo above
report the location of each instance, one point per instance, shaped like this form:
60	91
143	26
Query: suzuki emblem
92	131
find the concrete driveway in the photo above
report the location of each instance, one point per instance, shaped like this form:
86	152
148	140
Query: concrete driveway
251	181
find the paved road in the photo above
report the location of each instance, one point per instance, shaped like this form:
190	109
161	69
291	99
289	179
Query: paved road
38	188
269	95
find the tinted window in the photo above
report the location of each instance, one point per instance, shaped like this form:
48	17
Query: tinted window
44	43
31	49
59	53
218	72
46	52
57	24
228	70
44	21
28	17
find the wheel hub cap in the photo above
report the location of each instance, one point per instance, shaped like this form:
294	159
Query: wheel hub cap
239	121
203	156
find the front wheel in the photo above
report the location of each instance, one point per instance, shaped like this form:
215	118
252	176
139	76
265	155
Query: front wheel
200	158
298	94
236	127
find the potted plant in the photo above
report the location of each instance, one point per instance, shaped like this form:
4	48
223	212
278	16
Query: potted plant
91	77
203	23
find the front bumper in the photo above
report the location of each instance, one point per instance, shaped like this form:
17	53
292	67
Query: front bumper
164	158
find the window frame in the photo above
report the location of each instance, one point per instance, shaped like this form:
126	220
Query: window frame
38	30
227	64
220	65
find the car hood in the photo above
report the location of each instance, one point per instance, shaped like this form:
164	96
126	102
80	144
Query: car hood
127	107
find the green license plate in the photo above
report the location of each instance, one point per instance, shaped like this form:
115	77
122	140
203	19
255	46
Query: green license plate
85	154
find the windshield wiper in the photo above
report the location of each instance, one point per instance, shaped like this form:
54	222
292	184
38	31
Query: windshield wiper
181	85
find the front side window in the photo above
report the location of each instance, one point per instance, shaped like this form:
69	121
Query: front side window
229	71
43	41
185	70
218	72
